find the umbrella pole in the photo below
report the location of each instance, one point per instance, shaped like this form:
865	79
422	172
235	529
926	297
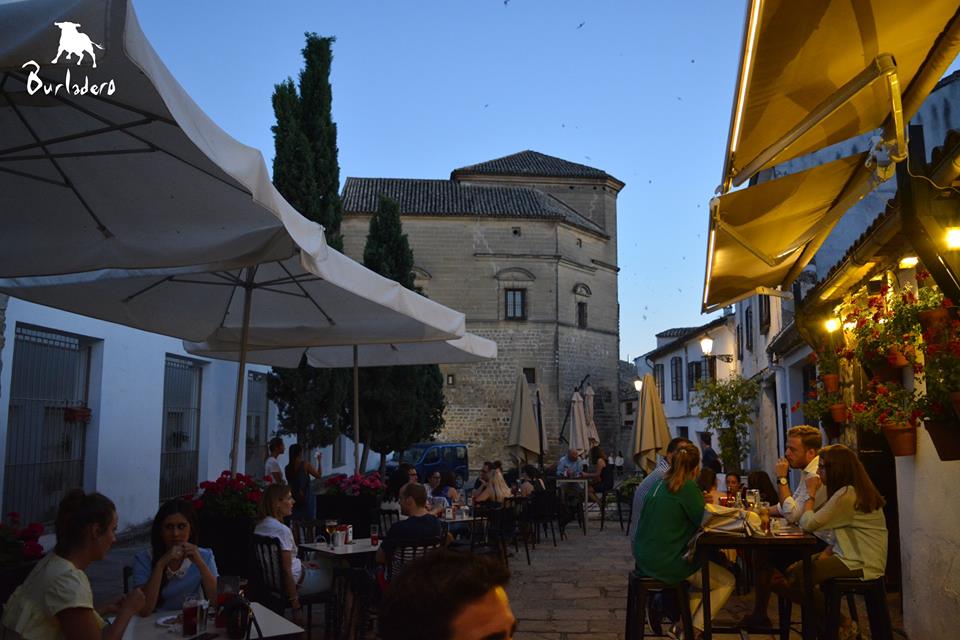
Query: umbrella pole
241	367
540	429
356	413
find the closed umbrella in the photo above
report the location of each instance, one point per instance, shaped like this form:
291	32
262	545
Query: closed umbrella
592	435
525	440
579	439
650	432
138	177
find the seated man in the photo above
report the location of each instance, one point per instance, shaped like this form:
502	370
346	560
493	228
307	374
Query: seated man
419	526
448	596
570	465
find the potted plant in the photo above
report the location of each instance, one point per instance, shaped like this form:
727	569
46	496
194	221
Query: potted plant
933	310
941	372
884	341
892	409
729	408
352	499
19	551
227	512
827	359
827	408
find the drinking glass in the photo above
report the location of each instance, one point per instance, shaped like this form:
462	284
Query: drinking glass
374	535
330	526
191	607
753	497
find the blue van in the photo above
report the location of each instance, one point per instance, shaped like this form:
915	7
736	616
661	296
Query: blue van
427	457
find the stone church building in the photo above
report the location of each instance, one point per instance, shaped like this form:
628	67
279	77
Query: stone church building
526	247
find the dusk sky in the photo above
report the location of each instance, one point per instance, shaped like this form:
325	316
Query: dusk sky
642	90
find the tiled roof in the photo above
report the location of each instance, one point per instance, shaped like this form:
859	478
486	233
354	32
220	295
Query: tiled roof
681	338
532	163
449	198
676	332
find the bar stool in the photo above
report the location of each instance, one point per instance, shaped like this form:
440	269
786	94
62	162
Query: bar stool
637	589
875	594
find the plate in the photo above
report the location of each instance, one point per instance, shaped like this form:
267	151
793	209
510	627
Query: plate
168	621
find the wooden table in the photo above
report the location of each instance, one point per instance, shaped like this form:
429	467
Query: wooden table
586	493
271	624
804	545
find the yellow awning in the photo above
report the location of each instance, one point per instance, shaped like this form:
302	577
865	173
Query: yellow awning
757	235
818	72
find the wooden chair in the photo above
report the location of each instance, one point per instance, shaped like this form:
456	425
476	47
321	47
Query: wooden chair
271	578
607	479
305	531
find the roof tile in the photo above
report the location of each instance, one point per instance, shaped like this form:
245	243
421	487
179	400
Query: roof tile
531	163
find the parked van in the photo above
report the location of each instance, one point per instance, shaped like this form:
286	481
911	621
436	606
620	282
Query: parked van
427	457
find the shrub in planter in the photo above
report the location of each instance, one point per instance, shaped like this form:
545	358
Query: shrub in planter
893	410
19	551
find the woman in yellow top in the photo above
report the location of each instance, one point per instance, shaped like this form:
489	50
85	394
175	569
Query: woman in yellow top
55	601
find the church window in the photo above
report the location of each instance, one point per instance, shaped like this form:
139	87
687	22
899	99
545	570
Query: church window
516	304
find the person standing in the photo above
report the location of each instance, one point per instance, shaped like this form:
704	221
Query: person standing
710	458
299	472
272	466
618	463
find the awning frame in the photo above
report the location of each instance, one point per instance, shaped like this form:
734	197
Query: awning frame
883	67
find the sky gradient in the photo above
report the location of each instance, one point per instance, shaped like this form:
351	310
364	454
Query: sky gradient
642	90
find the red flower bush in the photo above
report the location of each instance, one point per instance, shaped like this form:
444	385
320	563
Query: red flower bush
231	495
18	544
355	485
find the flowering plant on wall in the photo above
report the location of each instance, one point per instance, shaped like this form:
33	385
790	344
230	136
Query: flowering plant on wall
354	485
886	404
231	495
882	330
19	544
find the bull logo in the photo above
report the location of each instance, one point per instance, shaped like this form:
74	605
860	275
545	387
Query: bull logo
73	42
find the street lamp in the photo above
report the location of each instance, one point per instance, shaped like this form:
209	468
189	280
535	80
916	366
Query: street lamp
706	345
638	385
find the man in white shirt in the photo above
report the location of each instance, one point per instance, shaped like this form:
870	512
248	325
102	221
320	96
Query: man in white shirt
802	452
272	467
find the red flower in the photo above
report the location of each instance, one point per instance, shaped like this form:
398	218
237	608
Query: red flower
32	549
946	303
795	406
254	496
268	478
812	394
198	504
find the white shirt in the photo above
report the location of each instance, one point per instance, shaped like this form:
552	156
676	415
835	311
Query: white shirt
273	528
792	506
272	466
619	461
859	539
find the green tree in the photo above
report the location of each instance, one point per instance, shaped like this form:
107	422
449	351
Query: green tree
313	403
401	405
729	407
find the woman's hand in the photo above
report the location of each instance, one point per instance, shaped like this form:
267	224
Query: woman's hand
192	551
132	602
110	607
813	485
176	553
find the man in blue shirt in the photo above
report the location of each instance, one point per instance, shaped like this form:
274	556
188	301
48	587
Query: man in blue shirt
570	465
419	526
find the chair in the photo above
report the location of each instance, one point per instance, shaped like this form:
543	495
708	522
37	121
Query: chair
305	531
875	595
271	577
510	530
351	605
388	518
607	480
542	511
637	589
406	552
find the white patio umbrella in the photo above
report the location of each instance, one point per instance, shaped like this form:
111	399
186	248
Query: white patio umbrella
524	438
136	177
579	438
650	435
469	348
592	435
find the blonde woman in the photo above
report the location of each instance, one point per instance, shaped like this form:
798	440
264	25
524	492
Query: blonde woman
277	504
496	489
673	512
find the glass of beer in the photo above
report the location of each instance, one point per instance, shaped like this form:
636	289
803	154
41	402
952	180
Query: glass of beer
191	606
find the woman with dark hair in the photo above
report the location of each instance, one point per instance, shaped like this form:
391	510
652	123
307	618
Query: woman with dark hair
443	484
530	481
55	602
761	481
298	472
854	511
174	567
598	462
676	505
707	483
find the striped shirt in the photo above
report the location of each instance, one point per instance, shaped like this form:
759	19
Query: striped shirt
645	487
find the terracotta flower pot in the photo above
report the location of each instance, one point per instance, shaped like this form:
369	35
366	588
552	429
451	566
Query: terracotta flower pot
831	382
896	358
946	438
839	413
902	439
933	320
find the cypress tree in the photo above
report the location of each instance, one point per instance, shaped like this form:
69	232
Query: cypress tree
312	403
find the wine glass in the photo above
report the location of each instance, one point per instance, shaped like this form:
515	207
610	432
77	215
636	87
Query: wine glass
330	526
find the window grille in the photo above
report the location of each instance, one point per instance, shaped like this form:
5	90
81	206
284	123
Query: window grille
180	443
764	314
658	378
516	304
694	374
45	453
748	328
676	378
582	315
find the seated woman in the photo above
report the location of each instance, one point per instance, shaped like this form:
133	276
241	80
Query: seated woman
598	463
854	511
301	578
174	566
707	483
530	481
298	473
760	481
676	505
55	601
496	490
443	484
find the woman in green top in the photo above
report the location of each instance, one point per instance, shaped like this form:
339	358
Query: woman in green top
672	514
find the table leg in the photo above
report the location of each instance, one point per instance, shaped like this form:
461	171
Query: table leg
806	615
586	501
705	602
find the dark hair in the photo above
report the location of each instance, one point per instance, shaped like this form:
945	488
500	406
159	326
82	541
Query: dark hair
498	465
77	511
675	443
275	442
167	509
686	459
707	479
448	479
531	471
760	480
595	454
416	491
295	451
425	598
396	480
845	469
809	436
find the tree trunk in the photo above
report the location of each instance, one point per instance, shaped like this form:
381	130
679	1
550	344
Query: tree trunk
366	452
